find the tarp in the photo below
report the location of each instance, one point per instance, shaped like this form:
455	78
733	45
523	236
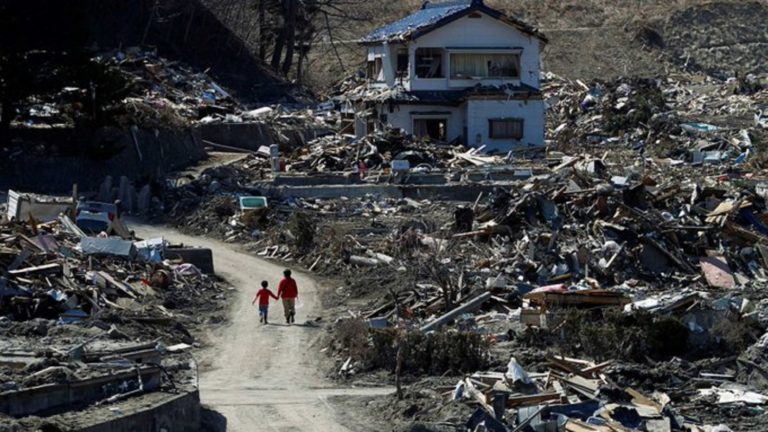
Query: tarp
108	246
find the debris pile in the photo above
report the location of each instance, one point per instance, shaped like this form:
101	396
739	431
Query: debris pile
625	256
572	395
96	311
164	92
138	87
689	119
55	272
127	87
335	153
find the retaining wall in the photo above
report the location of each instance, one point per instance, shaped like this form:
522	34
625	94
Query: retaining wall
57	158
178	413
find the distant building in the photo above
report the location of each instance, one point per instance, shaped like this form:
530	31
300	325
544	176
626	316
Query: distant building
455	70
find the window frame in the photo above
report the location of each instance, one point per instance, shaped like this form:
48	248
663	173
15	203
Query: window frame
402	69
437	51
445	119
515	137
375	71
517	56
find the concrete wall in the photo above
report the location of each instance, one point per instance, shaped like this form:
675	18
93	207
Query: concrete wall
249	136
480	111
51	397
93	154
452	192
402	117
477	33
178	413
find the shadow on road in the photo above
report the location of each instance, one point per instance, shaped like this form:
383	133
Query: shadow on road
212	421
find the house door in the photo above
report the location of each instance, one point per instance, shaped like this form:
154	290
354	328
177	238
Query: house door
435	128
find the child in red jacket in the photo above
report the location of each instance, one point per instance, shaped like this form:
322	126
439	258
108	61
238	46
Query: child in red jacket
263	296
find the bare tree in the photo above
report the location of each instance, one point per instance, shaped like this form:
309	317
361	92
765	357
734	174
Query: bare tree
437	265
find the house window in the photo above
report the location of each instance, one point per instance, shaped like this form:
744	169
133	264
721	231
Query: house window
435	128
375	70
473	66
505	128
429	63
402	63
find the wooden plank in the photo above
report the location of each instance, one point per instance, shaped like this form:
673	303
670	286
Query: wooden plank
575	425
566	366
43	269
475	394
597	368
528	400
465	308
127	289
640	399
560	389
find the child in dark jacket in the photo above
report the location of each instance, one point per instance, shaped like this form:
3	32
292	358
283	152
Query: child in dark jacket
263	296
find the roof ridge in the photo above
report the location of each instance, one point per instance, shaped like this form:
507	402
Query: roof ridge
434	4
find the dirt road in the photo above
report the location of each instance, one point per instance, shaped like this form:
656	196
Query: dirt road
266	378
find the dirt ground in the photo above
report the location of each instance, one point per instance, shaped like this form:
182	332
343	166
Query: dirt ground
269	378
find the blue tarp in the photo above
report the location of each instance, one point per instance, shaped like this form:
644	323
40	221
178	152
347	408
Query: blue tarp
114	246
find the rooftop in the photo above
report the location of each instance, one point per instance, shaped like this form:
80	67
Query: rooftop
435	14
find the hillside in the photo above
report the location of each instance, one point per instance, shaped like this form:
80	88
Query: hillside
604	39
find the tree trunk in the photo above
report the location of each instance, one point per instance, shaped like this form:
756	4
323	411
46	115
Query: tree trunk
300	65
277	52
290	34
190	20
6	115
263	39
399	368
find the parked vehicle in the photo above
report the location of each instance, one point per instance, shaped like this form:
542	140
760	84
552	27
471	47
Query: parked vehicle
95	217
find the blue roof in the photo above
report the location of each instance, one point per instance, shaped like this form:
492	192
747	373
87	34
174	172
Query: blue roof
428	15
433	15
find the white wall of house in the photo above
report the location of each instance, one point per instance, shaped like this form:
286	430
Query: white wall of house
483	32
382	52
403	115
479	112
483	35
388	54
463	36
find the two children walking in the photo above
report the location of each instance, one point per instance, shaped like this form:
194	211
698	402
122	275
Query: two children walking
287	290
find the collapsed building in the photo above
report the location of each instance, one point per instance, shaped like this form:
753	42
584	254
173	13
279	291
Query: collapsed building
97	331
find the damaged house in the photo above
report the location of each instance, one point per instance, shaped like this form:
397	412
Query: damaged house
454	71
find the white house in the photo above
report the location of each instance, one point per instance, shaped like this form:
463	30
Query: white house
455	71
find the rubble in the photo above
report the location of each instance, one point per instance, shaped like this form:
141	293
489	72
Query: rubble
627	249
614	280
88	312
